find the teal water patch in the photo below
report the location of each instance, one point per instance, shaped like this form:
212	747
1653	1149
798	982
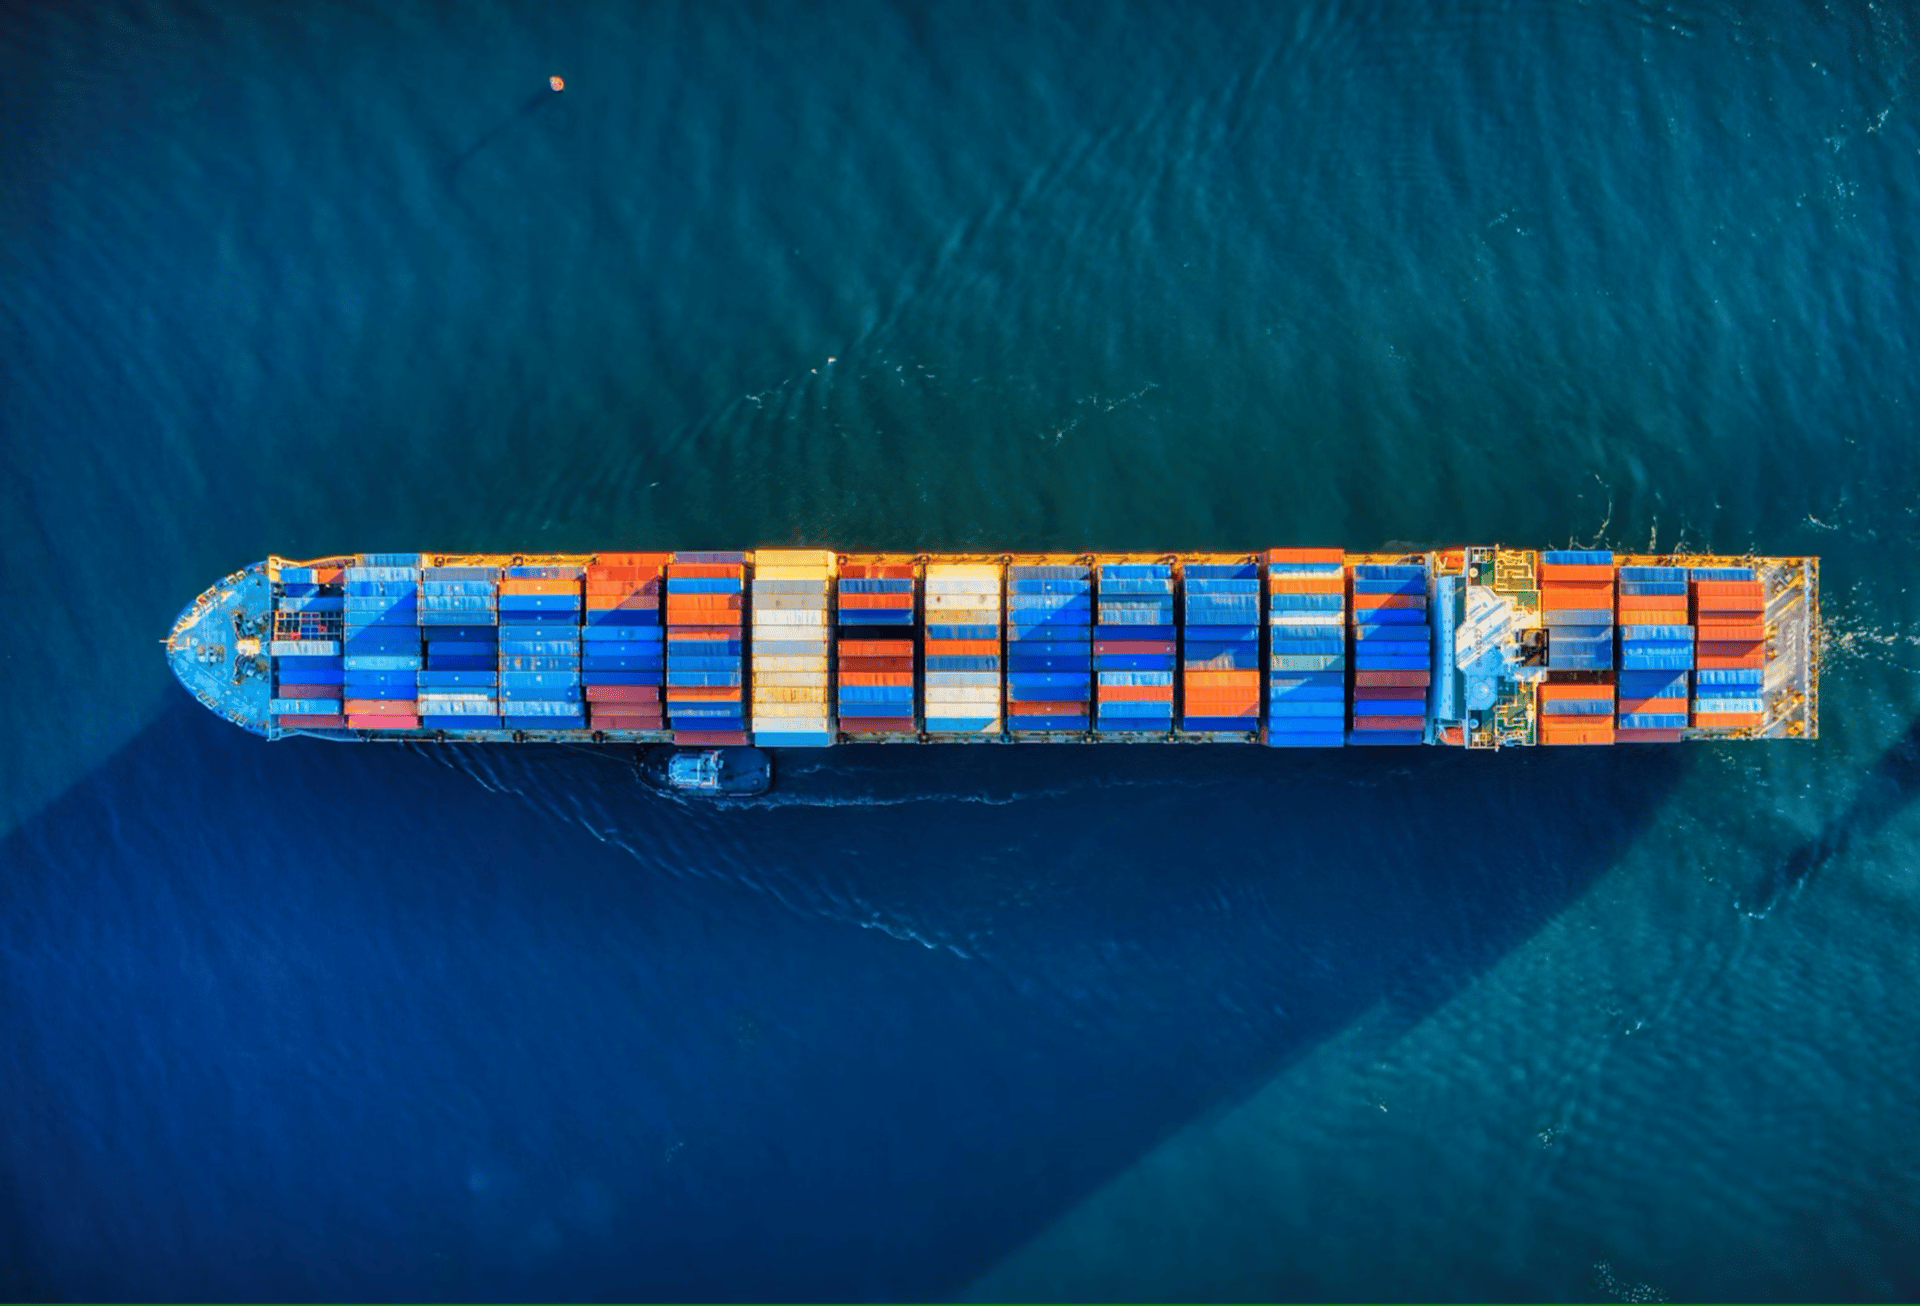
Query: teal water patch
910	277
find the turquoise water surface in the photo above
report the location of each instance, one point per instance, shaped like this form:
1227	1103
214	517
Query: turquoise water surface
316	1021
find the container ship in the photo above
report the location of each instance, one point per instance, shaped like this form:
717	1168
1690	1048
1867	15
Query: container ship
1474	647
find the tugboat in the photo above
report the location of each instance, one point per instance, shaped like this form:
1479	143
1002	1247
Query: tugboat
708	772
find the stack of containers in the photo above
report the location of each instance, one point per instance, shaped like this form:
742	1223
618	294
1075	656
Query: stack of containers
382	644
1133	649
1729	606
459	682
308	666
1656	654
622	648
875	645
1220	657
1576	603
1049	648
1392	653
705	596
1576	714
963	649
1307	655
790	628
540	607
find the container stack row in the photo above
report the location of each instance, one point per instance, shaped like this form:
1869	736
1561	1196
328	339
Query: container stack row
1656	654
1729	606
963	649
790	634
623	655
1577	604
705	602
309	669
1049	648
1392	653
1307	649
1133	648
459	680
1576	714
1220	648
875	646
540	610
383	645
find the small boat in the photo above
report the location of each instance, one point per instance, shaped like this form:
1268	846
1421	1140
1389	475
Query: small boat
708	772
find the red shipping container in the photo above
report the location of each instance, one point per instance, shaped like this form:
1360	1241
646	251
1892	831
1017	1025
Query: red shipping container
307	691
1033	708
311	721
380	707
1646	736
712	737
876	648
1389	723
602	721
1399	679
703	693
873	725
1377	692
1134	646
862	666
623	693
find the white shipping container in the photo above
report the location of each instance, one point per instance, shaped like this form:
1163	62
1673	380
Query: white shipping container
790	573
941	585
788	694
792	679
789	663
777	617
816	710
946	694
789	602
305	648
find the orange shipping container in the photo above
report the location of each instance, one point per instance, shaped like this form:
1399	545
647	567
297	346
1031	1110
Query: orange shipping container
1224	679
707	631
1306	555
1553	732
383	723
703	693
1365	602
1719	588
1720	720
1723	662
379	707
876	600
953	648
1136	693
652	561
1286	584
1572	571
876	677
540	586
1730	632
607	574
707	569
1558	693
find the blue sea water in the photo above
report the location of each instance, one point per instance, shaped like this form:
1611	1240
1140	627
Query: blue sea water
322	1022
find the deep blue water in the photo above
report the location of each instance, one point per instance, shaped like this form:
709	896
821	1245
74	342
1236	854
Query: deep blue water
314	1021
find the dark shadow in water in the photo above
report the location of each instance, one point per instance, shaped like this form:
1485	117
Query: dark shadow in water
312	1020
1887	788
493	133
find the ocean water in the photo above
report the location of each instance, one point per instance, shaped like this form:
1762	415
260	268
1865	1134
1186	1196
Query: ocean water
313	1021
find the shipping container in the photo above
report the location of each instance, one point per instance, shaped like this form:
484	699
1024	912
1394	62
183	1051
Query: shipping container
1307	648
1390	623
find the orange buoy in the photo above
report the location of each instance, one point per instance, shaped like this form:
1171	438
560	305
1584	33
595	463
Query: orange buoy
557	83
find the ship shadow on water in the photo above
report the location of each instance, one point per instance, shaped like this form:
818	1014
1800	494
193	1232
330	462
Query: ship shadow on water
347	1023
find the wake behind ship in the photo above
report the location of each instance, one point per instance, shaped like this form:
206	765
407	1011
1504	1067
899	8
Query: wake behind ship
1475	647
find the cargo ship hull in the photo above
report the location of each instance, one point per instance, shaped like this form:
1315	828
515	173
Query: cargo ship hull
1471	646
